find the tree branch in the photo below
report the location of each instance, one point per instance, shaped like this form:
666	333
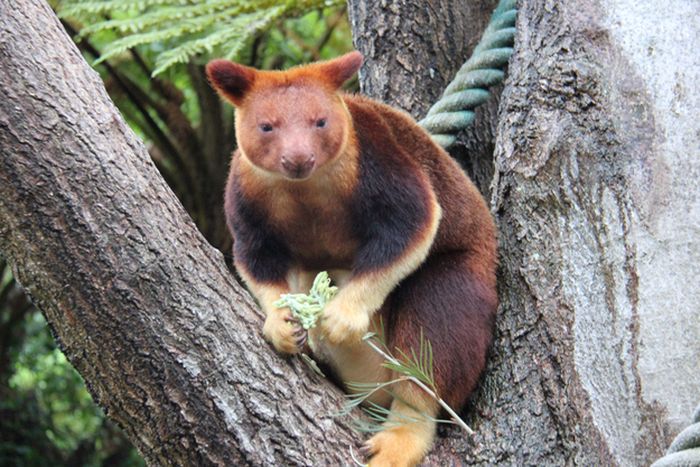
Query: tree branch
143	307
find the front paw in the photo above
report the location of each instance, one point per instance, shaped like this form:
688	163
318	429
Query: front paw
340	324
284	332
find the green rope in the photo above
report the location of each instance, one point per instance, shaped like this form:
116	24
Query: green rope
485	68
685	449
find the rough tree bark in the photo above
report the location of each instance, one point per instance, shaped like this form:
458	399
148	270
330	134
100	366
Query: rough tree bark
595	194
146	310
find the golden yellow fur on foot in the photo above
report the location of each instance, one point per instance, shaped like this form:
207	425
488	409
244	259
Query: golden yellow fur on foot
408	433
402	446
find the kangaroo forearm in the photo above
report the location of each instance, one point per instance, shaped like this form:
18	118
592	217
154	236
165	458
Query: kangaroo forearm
366	292
266	293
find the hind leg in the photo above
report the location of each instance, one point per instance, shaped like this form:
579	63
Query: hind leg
408	432
451	302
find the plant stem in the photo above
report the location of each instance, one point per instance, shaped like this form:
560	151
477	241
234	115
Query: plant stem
421	385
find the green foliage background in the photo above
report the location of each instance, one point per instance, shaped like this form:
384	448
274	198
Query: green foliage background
185	29
150	55
47	417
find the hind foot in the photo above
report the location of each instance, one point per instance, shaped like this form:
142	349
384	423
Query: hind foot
407	436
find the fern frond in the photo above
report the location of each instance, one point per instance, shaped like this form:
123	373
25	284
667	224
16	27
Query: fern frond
122	45
238	33
184	29
81	9
164	16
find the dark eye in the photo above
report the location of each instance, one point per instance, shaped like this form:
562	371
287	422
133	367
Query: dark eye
265	127
321	123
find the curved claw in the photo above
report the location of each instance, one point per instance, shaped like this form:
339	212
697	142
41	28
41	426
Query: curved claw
366	450
301	340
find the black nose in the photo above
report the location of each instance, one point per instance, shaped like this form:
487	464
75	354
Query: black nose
298	167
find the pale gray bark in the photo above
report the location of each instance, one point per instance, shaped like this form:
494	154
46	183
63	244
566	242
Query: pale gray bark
595	194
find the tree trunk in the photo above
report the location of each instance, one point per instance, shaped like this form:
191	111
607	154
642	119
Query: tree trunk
167	341
595	195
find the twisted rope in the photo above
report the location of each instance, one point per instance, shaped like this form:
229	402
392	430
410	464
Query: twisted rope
469	89
685	449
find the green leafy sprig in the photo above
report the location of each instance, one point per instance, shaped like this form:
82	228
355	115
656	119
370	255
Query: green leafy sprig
307	308
417	368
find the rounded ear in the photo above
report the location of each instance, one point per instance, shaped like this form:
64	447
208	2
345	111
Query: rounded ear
341	69
230	79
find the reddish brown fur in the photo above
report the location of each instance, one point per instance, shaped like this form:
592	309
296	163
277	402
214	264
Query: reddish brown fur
362	193
464	251
312	218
